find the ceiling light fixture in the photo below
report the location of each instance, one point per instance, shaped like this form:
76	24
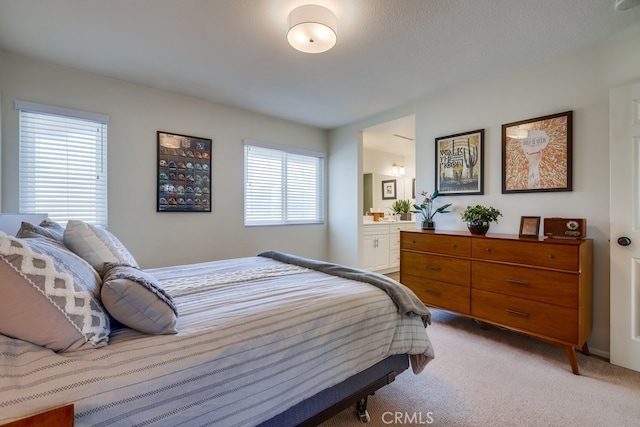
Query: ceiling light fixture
312	29
626	4
397	169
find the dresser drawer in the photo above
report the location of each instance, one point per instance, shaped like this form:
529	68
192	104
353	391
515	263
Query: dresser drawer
536	253
435	267
540	285
439	244
528	316
439	294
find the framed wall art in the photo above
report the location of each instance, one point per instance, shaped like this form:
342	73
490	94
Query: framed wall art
537	154
529	226
389	189
184	173
460	163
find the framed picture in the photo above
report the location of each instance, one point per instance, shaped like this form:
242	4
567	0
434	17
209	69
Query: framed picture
389	189
184	173
537	154
460	163
529	226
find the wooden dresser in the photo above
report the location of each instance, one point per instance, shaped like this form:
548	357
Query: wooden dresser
541	287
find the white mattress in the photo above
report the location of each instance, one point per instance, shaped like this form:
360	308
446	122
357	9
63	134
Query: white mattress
256	336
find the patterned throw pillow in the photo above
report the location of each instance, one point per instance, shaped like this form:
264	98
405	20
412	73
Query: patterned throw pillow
95	245
136	299
49	296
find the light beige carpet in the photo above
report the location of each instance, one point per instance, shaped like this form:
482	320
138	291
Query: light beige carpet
496	377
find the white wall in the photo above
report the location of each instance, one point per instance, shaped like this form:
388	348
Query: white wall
137	113
380	164
1	156
578	81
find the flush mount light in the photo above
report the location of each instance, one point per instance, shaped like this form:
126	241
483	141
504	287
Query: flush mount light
312	29
626	4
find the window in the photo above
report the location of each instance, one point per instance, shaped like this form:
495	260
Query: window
282	185
63	163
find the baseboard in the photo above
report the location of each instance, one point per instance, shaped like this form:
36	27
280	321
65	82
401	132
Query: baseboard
600	353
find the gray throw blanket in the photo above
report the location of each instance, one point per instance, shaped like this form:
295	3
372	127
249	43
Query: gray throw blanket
403	297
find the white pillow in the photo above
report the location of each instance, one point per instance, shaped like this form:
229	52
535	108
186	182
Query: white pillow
95	245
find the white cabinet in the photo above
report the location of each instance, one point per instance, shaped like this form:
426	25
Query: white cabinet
381	246
375	247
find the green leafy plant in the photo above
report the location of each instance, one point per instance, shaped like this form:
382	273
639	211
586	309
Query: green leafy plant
401	206
426	208
479	214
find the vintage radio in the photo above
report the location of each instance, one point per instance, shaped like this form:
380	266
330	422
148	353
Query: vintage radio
575	228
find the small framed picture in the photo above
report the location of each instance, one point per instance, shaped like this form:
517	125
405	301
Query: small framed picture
529	226
389	189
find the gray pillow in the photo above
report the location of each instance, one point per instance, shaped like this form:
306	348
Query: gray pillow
137	300
30	230
54	228
95	245
49	296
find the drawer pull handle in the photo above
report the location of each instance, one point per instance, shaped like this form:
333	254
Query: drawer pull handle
488	249
517	282
414	242
552	256
432	267
517	313
432	292
454	246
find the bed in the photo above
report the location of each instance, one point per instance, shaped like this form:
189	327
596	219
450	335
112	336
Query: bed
270	340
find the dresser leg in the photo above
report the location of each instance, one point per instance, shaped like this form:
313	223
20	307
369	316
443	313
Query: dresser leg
585	349
573	360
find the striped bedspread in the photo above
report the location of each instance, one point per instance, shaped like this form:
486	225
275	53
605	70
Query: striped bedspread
256	336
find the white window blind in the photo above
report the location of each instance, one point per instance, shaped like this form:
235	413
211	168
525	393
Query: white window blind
63	163
282	185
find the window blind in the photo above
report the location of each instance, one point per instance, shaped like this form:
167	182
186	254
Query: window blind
63	164
283	185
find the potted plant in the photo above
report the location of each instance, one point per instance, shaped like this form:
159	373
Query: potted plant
402	208
427	211
478	218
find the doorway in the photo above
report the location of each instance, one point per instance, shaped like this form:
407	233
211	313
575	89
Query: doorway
388	155
388	177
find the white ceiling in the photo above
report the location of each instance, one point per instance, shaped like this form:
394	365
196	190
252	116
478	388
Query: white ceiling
235	52
395	136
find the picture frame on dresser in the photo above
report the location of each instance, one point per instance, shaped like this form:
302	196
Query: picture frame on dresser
537	154
460	163
529	226
184	173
